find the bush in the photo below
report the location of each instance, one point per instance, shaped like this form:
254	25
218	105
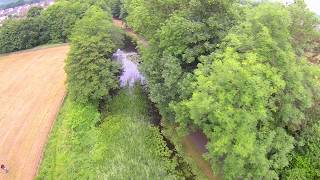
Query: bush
22	34
91	72
305	164
61	18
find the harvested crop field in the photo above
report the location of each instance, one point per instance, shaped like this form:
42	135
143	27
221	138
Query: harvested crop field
32	90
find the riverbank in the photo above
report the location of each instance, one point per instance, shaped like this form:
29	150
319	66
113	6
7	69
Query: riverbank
186	145
123	145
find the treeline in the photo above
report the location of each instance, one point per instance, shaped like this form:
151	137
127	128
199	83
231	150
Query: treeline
53	25
91	72
39	27
22	34
238	72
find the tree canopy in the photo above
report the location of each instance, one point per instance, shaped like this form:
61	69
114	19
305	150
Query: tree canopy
53	25
238	72
91	72
251	98
175	49
17	35
234	69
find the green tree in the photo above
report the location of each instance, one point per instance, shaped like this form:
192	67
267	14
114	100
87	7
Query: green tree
34	11
174	51
305	164
41	26
61	17
91	72
303	27
251	97
146	16
19	34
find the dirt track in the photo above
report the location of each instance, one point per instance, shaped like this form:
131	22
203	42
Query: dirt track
31	92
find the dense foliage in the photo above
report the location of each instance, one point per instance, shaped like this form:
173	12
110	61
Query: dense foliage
53	25
34	11
239	73
117	8
303	27
250	98
236	70
149	13
23	34
304	163
61	17
122	146
91	72
175	49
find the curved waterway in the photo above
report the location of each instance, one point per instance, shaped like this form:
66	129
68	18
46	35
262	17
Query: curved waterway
130	73
130	77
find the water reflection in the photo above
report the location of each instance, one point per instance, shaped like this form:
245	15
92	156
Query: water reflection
130	72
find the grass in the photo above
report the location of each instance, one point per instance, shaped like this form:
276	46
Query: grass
67	154
133	149
124	146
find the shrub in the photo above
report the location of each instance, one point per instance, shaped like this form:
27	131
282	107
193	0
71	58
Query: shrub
91	72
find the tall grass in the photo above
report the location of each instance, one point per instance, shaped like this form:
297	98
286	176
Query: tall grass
124	146
68	152
132	148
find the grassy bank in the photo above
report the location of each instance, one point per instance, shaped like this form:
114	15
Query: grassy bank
186	149
124	146
70	147
130	147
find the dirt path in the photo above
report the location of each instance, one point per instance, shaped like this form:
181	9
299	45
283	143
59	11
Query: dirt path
31	92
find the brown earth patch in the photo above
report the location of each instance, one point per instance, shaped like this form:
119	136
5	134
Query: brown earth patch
32	90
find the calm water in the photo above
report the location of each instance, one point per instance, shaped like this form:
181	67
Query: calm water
130	72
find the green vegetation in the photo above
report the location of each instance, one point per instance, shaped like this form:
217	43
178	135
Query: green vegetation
175	50
124	146
60	19
236	70
23	34
53	25
238	93
305	164
117	8
302	28
68	153
128	146
149	13
34	11
91	72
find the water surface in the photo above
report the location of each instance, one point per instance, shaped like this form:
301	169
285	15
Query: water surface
130	72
